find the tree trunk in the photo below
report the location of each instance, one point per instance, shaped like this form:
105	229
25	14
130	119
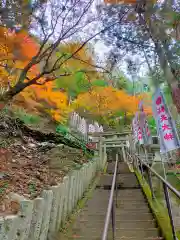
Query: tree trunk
164	60
12	92
169	73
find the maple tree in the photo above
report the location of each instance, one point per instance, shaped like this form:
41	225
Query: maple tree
108	102
56	95
46	60
83	71
45	99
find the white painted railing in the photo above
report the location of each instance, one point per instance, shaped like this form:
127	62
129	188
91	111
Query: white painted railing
47	214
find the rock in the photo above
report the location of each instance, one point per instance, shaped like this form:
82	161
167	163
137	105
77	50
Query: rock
23	148
31	145
60	145
65	169
38	174
4	176
26	196
15	197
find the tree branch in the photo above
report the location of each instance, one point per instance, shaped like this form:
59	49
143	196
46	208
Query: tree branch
92	65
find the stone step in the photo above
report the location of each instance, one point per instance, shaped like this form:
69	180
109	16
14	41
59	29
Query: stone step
106	183
130	192
136	224
122	197
138	202
62	237
122	224
128	207
137	232
122	168
122	200
127	178
120	232
118	211
105	180
141	238
131	202
120	216
121	205
134	216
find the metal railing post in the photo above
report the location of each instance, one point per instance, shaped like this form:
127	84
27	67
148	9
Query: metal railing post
150	183
113	221
116	184
111	209
100	153
166	187
168	204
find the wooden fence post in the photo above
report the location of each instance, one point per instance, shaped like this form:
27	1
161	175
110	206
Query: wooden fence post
48	198
37	218
60	206
55	205
25	217
100	153
66	194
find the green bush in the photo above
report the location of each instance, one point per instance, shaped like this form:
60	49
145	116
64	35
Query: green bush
26	117
62	129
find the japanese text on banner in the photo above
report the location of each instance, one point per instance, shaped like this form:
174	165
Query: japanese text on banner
166	128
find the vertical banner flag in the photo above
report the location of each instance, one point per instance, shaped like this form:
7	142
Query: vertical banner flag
148	133
134	129
143	124
138	135
165	125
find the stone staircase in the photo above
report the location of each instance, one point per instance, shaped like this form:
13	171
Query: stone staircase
134	221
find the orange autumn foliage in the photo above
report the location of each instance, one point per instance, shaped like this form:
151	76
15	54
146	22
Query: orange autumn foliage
44	100
108	101
82	60
16	50
16	46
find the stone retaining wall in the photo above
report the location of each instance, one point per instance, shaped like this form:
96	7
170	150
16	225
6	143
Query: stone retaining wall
46	214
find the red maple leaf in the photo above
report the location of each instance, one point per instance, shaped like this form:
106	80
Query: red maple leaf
158	101
163	118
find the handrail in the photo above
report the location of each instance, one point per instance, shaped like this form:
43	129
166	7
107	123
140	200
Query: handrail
110	204
166	186
177	193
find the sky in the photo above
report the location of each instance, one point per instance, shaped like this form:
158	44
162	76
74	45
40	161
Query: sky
101	50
